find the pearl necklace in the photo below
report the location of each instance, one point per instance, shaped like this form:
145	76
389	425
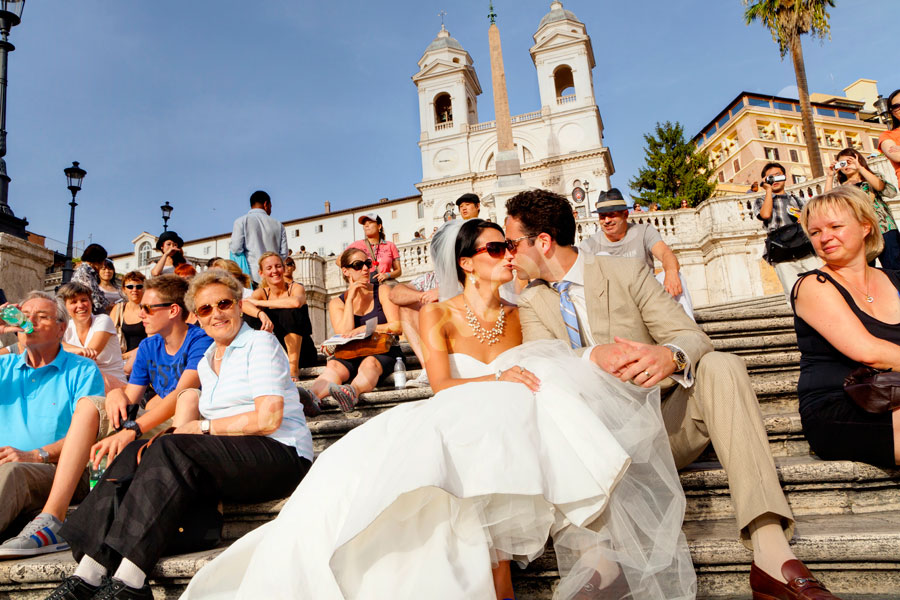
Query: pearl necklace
486	336
216	355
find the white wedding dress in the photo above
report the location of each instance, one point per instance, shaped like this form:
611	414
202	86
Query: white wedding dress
421	500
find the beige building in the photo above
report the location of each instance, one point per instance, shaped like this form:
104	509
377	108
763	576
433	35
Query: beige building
755	129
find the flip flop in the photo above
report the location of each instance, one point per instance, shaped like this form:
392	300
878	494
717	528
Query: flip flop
309	401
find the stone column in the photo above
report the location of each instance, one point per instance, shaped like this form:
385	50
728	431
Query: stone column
23	266
310	272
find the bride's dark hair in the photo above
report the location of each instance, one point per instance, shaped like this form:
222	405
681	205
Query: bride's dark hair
467	241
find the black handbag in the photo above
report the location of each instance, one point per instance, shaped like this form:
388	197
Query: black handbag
787	243
875	391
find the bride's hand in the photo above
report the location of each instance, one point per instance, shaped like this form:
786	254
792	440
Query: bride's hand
521	375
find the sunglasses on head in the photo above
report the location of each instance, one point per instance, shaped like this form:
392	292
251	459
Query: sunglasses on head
133	286
223	305
496	249
356	265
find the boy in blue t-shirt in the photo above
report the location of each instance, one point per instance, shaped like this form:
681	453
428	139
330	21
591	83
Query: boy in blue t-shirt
167	360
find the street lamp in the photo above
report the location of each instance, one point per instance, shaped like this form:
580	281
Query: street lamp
10	16
167	213
74	177
587	200
883	110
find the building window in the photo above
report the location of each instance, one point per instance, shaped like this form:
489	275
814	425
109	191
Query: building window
321	251
798	178
206	250
395	238
845	114
825	112
344	224
344	246
320	228
758	102
443	110
874	143
765	130
296	233
564	82
784	106
795	156
737	165
144	254
394	214
721	177
771	153
723	120
737	108
854	142
420	209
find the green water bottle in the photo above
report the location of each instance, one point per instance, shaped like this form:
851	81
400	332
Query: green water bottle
13	316
97	474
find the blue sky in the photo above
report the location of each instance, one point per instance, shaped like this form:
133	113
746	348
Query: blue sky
201	102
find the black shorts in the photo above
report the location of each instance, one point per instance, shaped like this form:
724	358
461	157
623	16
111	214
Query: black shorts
838	429
386	360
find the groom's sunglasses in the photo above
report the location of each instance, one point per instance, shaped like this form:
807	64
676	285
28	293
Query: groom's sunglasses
497	249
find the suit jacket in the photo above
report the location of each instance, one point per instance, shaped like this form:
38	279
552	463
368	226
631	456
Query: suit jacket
623	299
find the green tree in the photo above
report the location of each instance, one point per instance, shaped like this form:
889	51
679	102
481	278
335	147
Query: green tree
675	171
788	20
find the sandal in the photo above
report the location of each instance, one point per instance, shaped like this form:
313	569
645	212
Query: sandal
309	401
345	395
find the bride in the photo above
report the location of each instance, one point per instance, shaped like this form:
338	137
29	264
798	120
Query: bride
520	444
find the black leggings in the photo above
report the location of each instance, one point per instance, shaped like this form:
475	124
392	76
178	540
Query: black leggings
177	474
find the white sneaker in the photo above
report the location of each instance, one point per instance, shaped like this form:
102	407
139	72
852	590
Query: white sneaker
420	381
40	536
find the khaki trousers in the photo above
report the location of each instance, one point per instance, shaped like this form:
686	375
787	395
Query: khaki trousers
721	407
24	488
788	271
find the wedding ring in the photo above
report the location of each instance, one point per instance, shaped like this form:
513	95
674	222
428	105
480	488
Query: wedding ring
521	369
647	374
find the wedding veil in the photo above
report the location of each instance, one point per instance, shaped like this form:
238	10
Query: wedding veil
443	257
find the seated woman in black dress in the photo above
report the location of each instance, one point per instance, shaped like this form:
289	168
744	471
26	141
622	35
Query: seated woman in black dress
847	315
349	312
281	307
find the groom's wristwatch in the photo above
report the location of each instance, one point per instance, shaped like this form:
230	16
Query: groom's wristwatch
678	357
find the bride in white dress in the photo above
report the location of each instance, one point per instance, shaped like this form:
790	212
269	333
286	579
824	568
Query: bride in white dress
520	444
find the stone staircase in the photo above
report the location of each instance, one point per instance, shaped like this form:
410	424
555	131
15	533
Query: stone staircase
848	514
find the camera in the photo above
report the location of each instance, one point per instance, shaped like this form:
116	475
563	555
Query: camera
840	165
773	178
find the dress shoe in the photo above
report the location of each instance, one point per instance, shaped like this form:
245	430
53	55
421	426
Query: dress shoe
597	589
801	585
74	588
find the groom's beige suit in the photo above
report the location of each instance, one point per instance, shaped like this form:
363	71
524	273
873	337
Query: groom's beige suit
622	298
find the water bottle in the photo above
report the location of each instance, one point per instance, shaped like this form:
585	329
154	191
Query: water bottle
13	316
399	374
97	474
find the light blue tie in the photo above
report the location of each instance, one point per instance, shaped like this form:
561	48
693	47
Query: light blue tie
568	312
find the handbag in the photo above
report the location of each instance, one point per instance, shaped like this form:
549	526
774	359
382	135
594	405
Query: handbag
377	343
787	243
875	391
119	320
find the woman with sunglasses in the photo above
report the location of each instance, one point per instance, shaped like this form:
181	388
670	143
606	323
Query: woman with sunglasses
243	438
889	141
431	499
349	313
281	308
127	317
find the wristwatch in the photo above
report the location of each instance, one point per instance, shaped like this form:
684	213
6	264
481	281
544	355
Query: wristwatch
678	357
45	456
133	426
204	426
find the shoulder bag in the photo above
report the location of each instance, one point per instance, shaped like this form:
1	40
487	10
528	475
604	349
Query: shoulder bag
875	391
787	243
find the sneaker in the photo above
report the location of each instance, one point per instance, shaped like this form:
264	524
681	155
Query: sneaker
40	536
345	395
420	381
309	401
114	588
74	588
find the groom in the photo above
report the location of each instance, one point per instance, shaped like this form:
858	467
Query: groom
613	312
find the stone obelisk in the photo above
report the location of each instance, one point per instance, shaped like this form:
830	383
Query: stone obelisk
507	159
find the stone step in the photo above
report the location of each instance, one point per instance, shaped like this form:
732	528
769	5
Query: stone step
857	556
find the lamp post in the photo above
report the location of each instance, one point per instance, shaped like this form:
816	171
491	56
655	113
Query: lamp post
883	110
10	16
74	177
167	213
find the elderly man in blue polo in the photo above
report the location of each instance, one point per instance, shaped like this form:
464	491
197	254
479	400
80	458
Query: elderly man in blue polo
47	397
618	237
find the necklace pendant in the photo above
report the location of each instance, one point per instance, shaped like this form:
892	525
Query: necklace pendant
870	299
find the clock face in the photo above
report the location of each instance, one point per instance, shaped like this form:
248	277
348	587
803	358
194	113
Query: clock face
578	194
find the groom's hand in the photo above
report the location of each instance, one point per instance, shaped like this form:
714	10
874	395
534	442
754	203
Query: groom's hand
614	358
651	363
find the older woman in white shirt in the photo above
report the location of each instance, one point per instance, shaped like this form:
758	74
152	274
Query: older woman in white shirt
244	439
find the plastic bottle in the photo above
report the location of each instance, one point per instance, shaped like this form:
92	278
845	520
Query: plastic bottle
97	474
13	316
399	374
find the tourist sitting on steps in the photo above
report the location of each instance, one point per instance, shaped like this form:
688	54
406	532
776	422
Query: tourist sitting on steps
845	315
245	426
127	317
51	413
349	313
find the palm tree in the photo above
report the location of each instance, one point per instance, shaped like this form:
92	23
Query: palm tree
788	20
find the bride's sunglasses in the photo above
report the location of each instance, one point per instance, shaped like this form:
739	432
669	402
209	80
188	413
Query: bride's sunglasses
223	305
497	249
356	265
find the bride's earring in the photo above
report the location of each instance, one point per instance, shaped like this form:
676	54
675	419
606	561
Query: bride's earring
472	279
